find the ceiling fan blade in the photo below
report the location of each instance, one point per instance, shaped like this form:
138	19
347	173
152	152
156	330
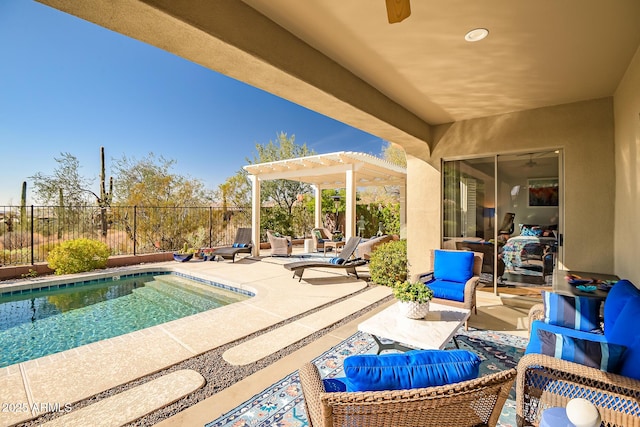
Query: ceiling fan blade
398	10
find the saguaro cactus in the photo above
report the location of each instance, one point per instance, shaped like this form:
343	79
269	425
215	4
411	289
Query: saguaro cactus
104	201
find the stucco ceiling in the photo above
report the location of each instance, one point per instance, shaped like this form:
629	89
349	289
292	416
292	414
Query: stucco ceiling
538	53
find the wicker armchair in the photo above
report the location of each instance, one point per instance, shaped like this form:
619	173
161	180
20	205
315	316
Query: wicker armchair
318	242
476	402
544	382
280	245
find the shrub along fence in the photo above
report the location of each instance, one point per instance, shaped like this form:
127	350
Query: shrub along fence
29	233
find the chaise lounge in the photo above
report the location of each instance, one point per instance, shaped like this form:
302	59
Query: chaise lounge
241	244
342	262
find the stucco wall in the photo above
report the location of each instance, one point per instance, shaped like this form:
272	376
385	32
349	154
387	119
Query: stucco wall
627	142
583	130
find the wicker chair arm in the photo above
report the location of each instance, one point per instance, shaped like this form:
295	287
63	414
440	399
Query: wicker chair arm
468	403
544	381
536	313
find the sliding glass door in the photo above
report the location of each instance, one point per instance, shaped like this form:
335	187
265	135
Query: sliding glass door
509	207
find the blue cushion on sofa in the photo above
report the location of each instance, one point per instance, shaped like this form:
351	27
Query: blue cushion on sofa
453	266
596	354
617	299
415	369
534	345
453	291
570	311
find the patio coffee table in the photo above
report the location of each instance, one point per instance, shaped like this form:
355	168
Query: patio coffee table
433	332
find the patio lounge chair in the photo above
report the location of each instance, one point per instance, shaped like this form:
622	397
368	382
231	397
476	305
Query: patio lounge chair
475	402
241	244
349	265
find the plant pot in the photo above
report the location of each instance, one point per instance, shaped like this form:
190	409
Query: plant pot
413	310
182	257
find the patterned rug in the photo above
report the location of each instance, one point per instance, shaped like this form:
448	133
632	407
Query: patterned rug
282	405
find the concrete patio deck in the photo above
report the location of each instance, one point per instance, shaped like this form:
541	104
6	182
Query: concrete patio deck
79	373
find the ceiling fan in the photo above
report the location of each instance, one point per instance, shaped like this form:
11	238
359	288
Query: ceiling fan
530	163
398	10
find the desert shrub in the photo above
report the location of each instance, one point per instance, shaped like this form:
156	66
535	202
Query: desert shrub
388	263
78	255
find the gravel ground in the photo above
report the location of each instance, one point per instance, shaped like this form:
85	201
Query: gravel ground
216	371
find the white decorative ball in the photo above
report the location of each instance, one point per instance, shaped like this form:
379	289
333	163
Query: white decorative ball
583	413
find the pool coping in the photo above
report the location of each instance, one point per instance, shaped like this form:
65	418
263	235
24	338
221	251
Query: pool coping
79	373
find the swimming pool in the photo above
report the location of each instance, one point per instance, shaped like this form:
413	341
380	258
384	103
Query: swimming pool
59	317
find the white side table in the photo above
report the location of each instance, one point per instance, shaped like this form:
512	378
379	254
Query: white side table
308	246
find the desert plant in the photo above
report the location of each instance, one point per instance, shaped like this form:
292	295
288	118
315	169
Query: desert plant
388	263
78	255
408	291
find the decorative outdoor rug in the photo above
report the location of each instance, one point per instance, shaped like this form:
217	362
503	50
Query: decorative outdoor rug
282	405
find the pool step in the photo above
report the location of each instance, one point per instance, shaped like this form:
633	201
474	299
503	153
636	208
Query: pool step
179	286
134	403
169	304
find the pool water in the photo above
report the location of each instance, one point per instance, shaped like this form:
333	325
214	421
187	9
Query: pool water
44	322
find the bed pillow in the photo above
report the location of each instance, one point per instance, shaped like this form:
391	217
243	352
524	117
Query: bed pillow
574	312
531	231
414	369
598	355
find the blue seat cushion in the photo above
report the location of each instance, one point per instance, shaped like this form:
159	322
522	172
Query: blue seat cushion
333	385
596	354
444	289
534	345
617	298
453	266
571	311
414	369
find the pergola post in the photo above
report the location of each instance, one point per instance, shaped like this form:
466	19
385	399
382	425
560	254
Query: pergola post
317	192
255	214
350	203
403	210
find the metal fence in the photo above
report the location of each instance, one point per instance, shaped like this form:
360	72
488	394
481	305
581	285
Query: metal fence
27	234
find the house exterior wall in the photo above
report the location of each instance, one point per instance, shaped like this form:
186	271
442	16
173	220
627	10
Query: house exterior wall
584	130
627	143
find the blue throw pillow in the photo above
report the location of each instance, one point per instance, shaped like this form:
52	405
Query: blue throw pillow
531	230
620	294
415	369
571	312
336	260
599	355
235	245
625	332
453	266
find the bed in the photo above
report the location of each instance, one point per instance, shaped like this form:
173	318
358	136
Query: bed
530	253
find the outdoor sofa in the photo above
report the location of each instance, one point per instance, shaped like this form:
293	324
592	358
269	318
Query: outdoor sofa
567	359
426	388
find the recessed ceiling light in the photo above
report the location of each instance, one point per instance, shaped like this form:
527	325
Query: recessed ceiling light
476	35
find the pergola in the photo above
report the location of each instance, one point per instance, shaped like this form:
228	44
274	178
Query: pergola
344	169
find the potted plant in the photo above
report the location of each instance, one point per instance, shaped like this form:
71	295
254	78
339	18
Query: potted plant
413	298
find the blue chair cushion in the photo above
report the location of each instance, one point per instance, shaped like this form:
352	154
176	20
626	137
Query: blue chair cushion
625	332
571	311
414	369
534	345
240	245
596	354
453	266
617	298
336	260
443	289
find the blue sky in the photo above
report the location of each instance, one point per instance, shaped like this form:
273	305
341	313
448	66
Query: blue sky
67	85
